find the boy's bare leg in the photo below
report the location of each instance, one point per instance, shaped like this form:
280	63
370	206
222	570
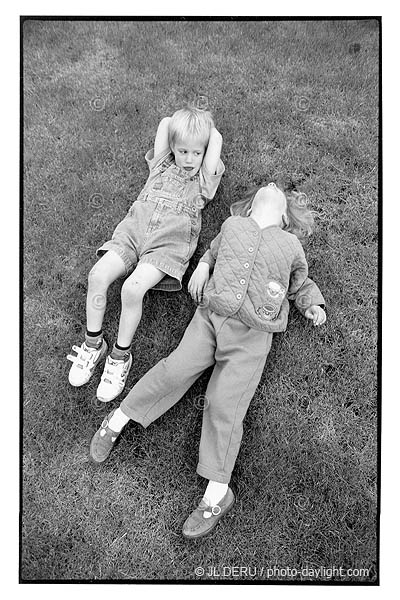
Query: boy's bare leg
118	364
94	348
109	268
144	277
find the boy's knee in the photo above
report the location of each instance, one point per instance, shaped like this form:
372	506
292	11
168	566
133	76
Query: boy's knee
132	292
98	277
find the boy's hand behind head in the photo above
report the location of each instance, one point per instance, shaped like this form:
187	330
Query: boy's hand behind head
194	140
190	123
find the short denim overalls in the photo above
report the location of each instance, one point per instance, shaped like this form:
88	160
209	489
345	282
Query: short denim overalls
163	225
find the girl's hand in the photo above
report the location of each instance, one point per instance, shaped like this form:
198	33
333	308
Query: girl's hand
316	314
198	281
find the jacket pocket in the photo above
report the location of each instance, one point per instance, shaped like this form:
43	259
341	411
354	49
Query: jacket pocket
273	297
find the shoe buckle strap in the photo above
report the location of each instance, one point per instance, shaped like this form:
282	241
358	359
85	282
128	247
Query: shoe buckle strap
215	510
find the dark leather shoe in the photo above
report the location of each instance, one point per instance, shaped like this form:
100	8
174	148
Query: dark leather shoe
103	441
196	525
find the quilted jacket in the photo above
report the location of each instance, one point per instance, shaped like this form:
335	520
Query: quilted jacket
255	272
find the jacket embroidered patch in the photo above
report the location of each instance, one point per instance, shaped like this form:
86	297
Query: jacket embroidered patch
275	293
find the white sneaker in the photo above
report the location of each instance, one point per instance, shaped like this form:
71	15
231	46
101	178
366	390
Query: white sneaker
85	363
113	379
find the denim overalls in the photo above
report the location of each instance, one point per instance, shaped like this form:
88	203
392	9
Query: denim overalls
163	225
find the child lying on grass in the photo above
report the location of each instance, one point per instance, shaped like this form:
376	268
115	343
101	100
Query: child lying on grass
154	242
257	264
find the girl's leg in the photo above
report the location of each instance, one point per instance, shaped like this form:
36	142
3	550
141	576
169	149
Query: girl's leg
240	359
165	384
144	277
162	386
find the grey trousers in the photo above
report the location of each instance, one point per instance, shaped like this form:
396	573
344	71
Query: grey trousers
239	354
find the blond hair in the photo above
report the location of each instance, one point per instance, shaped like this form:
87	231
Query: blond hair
300	219
190	122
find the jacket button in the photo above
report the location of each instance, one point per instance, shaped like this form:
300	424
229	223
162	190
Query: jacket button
242	281
238	296
246	265
251	249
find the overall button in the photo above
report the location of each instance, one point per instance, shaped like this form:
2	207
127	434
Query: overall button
238	296
242	281
246	265
251	249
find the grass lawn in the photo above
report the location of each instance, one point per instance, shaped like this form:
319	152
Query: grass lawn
296	101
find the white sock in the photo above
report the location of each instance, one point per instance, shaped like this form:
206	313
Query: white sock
118	420
215	491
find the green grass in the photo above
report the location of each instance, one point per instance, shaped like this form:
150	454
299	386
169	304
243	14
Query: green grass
293	103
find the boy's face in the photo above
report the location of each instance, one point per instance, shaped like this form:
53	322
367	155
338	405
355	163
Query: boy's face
189	154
